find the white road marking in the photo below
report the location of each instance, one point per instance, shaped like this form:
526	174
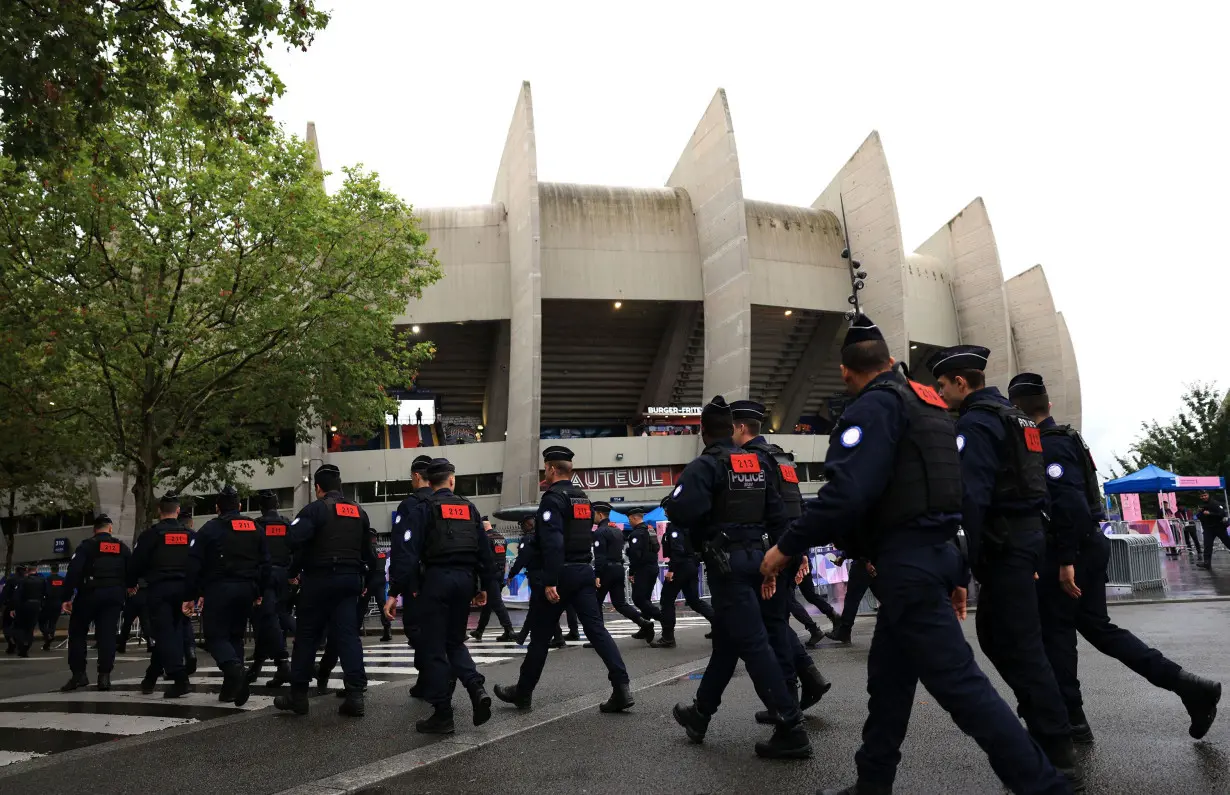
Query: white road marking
85	722
10	757
117	696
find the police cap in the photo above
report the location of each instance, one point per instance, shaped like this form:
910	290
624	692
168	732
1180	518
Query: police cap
557	453
715	408
420	464
959	357
327	470
747	410
605	507
228	491
862	329
170	498
634	510
101	521
1025	385
440	466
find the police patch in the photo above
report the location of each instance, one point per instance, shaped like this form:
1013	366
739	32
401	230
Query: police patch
1054	471
634	541
192	543
677	490
960	442
674	534
296	520
546	516
596	543
406	536
851	436
397	519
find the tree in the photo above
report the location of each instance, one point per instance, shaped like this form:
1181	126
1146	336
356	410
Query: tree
1195	442
67	68
189	294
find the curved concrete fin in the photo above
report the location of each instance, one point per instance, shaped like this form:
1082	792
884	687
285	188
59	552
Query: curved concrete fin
1035	330
1071	375
966	244
516	187
708	170
315	144
865	187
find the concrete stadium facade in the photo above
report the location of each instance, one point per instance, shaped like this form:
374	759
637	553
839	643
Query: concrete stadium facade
717	294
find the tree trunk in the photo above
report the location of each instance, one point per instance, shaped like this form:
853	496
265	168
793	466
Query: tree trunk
143	502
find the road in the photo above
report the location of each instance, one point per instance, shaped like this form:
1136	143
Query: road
565	745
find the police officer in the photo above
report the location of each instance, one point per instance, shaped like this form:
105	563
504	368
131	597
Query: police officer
807	589
399	571
1072	587
642	548
378	589
338	546
1004	484
530	559
8	602
161	560
495	599
50	616
682	576
134	609
857	581
374	581
228	564
893	495
30	595
1212	518
563	542
448	539
724	498
271	618
97	574
783	485
609	568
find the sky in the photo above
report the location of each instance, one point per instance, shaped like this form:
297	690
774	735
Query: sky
1097	134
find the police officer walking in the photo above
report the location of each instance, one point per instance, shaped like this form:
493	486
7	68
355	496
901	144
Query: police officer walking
1072	587
609	568
161	559
1212	518
857	581
682	576
335	538
724	498
529	558
8	597
1004	486
50	616
643	547
31	593
495	599
400	574
893	496
447	537
97	574
271	618
563	543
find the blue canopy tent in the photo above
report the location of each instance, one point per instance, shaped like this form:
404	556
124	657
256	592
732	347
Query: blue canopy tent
653	517
1151	479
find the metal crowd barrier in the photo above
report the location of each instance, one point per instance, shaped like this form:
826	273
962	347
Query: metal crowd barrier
1135	562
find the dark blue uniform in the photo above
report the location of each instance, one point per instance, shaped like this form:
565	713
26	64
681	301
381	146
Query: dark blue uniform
495	596
161	560
609	569
7	596
643	549
50	616
30	595
400	573
1212	518
97	573
1008	547
529	560
228	565
271	618
683	576
917	634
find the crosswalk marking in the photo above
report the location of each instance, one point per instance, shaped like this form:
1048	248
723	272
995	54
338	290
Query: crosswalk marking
11	757
95	697
85	722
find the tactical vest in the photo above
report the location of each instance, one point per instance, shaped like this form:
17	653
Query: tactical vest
452	533
647	546
1021	476
926	475
105	567
241	548
740	498
1089	470
578	521
36	588
170	558
276	541
785	477
339	540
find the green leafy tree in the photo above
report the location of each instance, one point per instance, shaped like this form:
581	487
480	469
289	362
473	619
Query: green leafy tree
67	68
1194	442
192	294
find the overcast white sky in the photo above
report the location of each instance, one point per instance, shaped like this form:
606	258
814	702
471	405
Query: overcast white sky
1096	133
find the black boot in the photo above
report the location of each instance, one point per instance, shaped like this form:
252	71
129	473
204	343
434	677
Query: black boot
1200	697
621	698
23	651
78	681
190	665
353	706
507	637
47	644
296	702
416	690
148	684
253	672
558	642
511	695
1063	756
439	722
104	681
387	636
693	721
573	636
232	678
816	636
121	646
787	742
477	634
1081	733
322	682
841	635
281	674
645	632
177	689
481	702
814	686
766	717
663	643
861	788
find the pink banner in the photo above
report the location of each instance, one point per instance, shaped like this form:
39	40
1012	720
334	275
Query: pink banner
1131	507
1198	483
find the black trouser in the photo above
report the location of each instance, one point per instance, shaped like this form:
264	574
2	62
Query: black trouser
134	608
49	617
1191	537
535	583
644	578
445	599
856	588
611	577
808	588
25	623
1211	534
685	579
495	602
172	630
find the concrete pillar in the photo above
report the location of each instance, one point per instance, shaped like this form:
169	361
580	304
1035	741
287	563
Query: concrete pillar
516	187
113	496
966	244
829	332
671	350
864	186
495	402
315	144
1071	375
1035	329
708	170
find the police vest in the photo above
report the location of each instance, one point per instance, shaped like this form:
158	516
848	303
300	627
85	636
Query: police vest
105	567
276	541
452	534
785	476
339	541
36	588
646	546
926	475
1021	476
241	548
170	558
578	522
742	485
1089	470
